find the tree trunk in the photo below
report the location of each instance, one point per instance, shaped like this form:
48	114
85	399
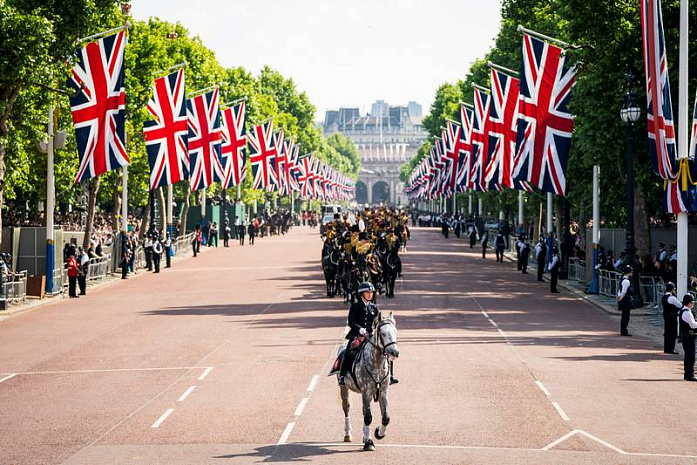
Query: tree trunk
9	95
163	208
642	228
93	189
145	224
185	210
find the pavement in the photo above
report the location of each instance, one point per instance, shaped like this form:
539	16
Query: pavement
223	360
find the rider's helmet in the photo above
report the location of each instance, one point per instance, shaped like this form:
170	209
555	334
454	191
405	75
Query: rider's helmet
366	287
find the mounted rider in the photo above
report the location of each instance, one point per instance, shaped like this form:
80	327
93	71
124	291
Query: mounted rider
360	321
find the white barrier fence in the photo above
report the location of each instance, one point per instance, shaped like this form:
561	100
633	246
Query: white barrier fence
577	270
183	246
15	290
99	268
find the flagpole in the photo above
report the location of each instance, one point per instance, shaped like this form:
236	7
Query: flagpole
683	124
234	102
593	287
482	88
124	200
502	69
170	209
542	36
520	209
202	91
50	204
103	34
183	64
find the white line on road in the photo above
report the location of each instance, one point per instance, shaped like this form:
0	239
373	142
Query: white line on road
313	383
301	407
186	394
10	376
501	331
286	433
205	373
542	388
105	370
561	412
162	418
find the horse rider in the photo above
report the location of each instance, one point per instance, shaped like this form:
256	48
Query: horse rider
360	321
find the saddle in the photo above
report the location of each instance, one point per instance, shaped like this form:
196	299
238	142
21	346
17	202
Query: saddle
350	353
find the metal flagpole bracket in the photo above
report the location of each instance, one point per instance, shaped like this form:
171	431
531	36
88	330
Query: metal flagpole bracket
102	34
467	105
482	88
542	36
234	102
202	91
502	69
183	64
452	121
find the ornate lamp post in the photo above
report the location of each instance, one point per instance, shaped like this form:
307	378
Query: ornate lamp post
630	114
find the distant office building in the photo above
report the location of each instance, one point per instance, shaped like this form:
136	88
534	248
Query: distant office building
379	108
415	111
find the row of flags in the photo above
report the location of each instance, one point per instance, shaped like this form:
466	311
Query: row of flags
679	174
517	135
187	138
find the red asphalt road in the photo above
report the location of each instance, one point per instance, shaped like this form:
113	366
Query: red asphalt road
236	343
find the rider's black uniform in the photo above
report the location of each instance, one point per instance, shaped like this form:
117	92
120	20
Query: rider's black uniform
361	315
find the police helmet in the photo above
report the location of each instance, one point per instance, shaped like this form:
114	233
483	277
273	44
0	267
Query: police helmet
627	269
670	286
687	298
366	287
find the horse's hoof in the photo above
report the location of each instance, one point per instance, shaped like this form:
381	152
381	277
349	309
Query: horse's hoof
369	445
377	434
348	438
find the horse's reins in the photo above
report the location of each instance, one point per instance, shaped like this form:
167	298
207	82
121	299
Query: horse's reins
384	354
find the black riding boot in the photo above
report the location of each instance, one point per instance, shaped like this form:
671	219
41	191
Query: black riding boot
393	380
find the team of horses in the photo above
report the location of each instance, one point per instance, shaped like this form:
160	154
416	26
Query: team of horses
345	268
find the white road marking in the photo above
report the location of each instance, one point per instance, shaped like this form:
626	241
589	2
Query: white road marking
301	407
286	433
486	314
561	412
10	376
162	418
186	394
501	332
555	443
106	370
542	388
313	383
205	373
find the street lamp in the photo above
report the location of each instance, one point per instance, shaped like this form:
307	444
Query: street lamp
630	114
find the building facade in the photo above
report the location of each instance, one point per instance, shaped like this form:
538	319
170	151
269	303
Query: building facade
386	138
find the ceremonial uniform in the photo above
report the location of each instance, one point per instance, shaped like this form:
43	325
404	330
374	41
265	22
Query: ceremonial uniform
360	317
671	308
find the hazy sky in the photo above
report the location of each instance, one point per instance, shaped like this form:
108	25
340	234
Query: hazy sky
343	53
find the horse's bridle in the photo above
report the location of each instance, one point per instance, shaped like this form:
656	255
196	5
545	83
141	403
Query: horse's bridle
384	346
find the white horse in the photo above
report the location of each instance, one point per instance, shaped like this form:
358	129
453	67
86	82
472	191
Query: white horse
369	377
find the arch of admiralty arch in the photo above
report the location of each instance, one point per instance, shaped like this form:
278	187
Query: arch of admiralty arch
380	163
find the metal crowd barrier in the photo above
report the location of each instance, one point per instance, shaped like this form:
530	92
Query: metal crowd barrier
652	290
577	270
183	246
16	290
139	260
98	268
609	280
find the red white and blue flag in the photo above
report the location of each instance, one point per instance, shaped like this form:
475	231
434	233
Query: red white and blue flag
503	121
234	146
98	106
306	177
545	123
204	139
166	135
464	148
681	193
262	156
480	140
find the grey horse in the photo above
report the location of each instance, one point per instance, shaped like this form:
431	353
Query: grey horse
372	373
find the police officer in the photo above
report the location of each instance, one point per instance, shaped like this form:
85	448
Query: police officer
360	320
125	256
524	251
472	235
624	299
147	248
541	257
157	250
168	250
688	327
671	308
500	245
485	240
554	270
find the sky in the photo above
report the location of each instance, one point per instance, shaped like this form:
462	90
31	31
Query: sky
343	52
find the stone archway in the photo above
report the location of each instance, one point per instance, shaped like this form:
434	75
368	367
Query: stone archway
381	192
361	192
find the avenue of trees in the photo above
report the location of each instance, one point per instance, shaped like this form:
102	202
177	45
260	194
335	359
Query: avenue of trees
608	33
37	44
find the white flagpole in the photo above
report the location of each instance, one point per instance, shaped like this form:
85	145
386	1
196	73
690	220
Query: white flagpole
594	286
170	209
683	125
550	213
520	209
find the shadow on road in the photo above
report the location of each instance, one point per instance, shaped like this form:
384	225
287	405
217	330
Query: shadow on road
290	453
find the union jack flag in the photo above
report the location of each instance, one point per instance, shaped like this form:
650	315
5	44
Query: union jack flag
306	176
451	155
503	122
234	146
464	146
204	139
166	135
262	156
480	140
544	121
681	193
99	106
295	169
